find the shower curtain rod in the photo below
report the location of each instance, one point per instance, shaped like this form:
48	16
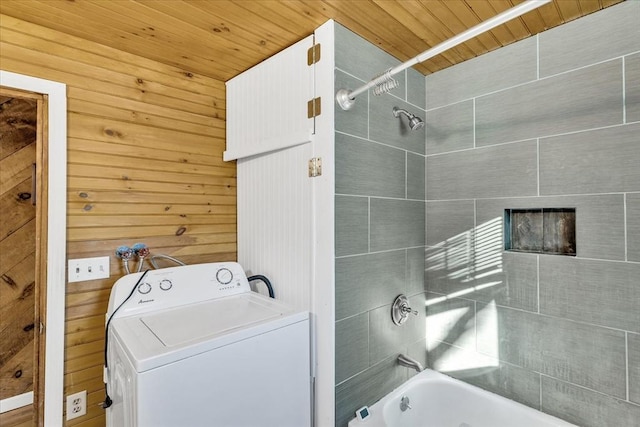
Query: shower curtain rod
384	82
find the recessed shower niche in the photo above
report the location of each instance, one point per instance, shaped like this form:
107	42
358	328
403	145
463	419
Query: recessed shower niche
544	230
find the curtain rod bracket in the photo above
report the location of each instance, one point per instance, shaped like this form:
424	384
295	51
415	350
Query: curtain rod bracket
343	96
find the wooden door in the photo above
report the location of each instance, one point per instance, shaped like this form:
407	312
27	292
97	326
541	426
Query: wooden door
20	150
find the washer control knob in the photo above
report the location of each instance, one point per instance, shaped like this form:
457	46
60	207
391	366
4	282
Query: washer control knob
224	276
166	284
144	288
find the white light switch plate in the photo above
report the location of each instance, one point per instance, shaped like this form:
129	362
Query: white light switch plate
82	269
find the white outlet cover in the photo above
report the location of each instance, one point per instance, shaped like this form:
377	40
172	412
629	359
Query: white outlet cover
77	405
82	269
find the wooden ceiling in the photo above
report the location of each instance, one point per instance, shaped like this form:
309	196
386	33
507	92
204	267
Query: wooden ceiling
222	38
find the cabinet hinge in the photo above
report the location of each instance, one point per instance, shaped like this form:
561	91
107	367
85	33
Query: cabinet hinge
315	167
313	54
313	108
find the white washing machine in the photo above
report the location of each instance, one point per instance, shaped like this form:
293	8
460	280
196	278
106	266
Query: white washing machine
194	346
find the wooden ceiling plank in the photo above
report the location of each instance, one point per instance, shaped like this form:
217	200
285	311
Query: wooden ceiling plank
133	24
588	6
92	28
550	15
286	20
515	26
231	15
391	32
442	13
236	36
108	55
569	9
184	36
461	10
417	28
484	11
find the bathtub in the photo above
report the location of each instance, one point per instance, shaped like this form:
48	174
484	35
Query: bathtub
437	400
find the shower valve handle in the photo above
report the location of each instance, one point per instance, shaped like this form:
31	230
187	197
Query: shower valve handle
408	310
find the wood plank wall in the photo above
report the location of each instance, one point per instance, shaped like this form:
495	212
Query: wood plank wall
145	144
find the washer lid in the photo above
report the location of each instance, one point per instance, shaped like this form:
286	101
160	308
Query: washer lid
199	321
162	337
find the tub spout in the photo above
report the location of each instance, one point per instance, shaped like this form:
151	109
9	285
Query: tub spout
410	362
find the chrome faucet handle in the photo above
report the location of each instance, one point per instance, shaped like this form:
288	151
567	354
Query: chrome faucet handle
408	310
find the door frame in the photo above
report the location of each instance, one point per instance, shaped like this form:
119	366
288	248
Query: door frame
56	236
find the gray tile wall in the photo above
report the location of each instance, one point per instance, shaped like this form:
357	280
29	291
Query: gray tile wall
380	228
552	121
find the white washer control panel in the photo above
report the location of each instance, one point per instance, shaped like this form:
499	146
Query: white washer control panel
176	286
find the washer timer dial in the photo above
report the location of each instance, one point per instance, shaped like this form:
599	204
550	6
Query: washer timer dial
224	276
166	284
144	288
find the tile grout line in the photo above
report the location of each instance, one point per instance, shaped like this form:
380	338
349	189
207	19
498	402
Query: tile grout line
538	280
624	218
626	358
624	90
368	224
537	57
538	162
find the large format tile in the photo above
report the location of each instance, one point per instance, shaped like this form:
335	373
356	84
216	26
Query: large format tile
415	176
450	222
598	161
367	388
415	271
365	168
365	282
586	355
514	64
601	292
396	224
584	407
507	278
356	56
610	33
450	320
599	220
507	170
416	88
450	128
632	87
633	227
352	225
352	346
583	99
634	367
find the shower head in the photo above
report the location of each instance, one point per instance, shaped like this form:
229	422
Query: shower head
415	122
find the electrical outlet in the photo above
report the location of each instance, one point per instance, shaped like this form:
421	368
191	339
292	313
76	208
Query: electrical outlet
77	405
88	269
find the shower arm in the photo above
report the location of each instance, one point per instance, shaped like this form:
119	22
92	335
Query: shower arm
346	98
